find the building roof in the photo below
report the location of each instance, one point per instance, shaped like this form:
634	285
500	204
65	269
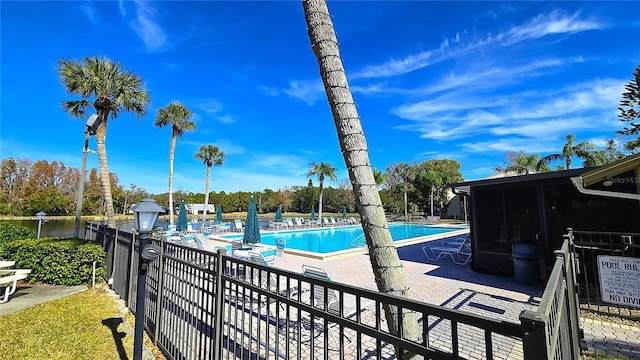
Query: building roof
607	171
466	185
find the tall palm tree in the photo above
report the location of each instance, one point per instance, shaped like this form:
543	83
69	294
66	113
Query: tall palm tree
210	156
379	176
522	163
383	255
112	89
179	117
322	170
569	150
404	172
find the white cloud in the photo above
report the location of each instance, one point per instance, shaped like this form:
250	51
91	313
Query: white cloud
226	119
537	114
210	106
510	144
147	28
555	22
308	91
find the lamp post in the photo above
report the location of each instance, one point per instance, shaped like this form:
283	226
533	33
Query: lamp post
40	216
93	123
145	214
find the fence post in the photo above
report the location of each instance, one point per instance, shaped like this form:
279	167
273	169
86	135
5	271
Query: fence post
132	282
572	296
219	306
534	337
160	293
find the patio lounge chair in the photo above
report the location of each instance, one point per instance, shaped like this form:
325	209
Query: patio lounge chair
236	225
346	309
251	300
280	244
192	240
458	250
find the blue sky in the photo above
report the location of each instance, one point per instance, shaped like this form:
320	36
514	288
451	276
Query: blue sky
461	80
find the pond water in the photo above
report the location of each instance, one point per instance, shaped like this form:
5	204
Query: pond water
64	228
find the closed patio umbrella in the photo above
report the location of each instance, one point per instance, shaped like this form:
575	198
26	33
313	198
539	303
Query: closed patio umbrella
252	225
313	213
219	214
181	224
344	212
278	215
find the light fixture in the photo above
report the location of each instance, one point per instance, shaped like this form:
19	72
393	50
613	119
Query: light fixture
150	252
40	216
145	214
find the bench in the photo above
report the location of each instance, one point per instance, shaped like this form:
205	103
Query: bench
10	283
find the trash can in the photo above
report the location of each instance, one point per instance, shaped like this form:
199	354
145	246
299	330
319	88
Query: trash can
525	264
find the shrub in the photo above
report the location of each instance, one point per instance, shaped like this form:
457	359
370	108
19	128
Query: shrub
10	232
56	261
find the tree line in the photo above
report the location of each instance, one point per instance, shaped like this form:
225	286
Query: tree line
27	187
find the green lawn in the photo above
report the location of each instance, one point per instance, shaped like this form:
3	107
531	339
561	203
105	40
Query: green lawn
81	326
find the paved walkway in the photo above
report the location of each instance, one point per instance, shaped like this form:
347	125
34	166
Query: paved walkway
31	295
602	337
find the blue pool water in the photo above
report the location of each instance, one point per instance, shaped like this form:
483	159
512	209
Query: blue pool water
326	240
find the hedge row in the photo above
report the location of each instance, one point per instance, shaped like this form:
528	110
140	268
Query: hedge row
55	261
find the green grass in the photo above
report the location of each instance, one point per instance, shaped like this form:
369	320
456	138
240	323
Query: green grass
81	326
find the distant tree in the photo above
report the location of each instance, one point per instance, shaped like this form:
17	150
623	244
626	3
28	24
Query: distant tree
379	176
404	173
210	156
569	150
179	117
93	202
385	261
14	175
630	111
322	170
113	90
522	163
612	151
433	178
347	197
50	200
594	158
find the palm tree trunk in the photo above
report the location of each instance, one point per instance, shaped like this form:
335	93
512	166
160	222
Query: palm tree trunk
105	178
406	212
384	258
172	150
206	195
320	204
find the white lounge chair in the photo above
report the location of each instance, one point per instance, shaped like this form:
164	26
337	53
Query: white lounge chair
236	225
10	284
280	244
458	250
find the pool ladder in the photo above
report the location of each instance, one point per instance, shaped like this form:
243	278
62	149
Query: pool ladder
360	241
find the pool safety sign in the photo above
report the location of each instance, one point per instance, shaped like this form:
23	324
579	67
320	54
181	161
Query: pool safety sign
619	280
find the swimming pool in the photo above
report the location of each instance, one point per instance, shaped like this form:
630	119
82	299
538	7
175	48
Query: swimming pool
329	240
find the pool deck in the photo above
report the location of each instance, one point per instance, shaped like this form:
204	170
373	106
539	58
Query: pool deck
453	286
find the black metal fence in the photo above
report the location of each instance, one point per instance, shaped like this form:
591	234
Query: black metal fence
203	305
588	247
553	331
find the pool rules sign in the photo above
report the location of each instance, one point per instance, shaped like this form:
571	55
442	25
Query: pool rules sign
619	280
